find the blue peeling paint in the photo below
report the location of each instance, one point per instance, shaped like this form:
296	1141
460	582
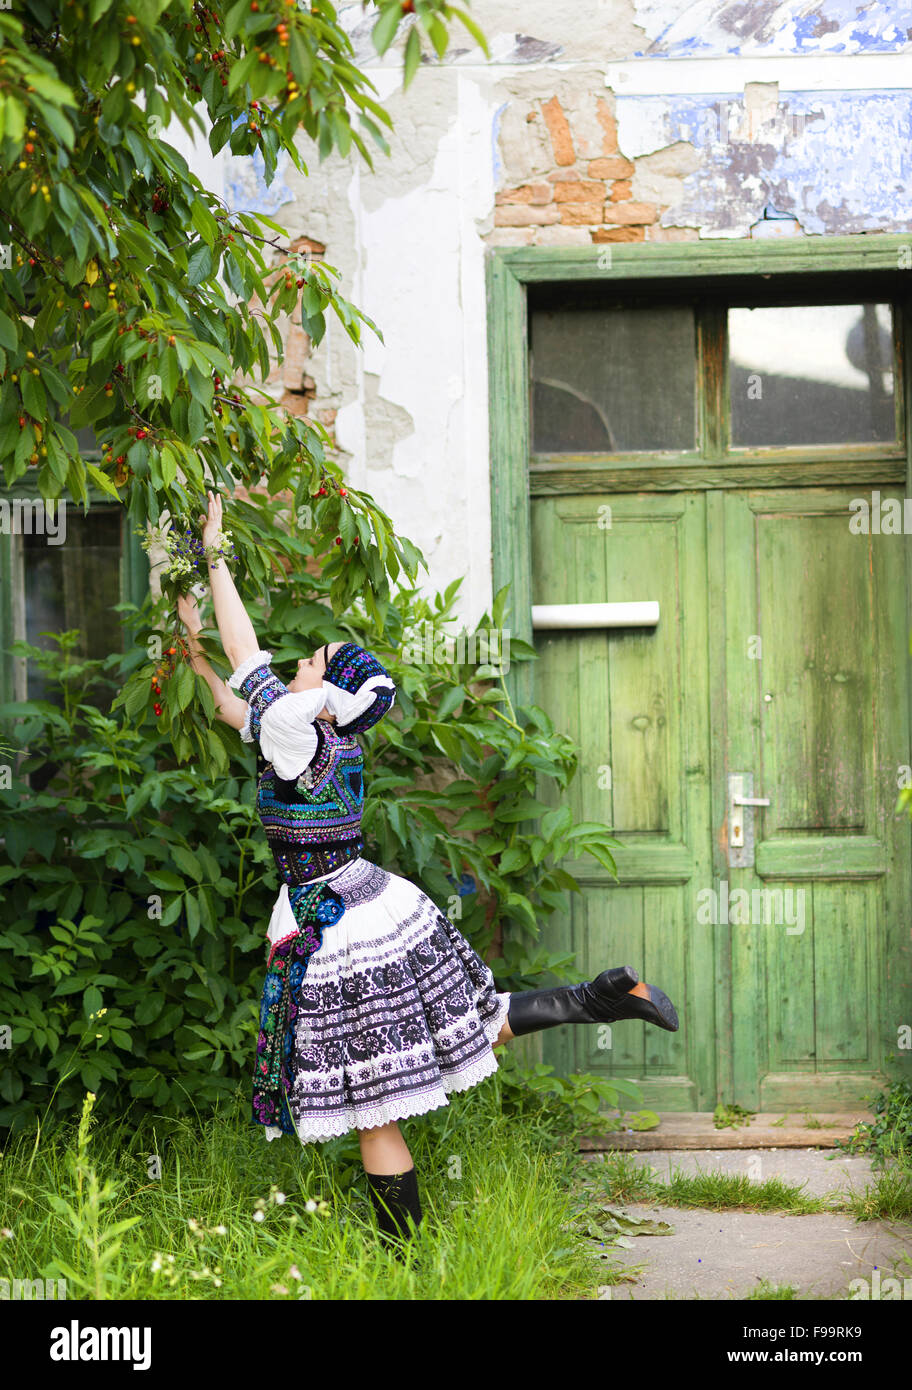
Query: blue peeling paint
835	160
495	152
716	28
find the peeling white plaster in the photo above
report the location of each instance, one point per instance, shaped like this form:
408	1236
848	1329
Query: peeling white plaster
421	278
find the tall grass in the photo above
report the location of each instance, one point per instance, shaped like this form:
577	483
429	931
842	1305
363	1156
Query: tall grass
210	1210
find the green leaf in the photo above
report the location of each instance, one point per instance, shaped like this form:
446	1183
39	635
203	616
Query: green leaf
188	862
92	1001
384	31
8	335
103	481
527	808
412	56
234	19
513	859
199	266
185	687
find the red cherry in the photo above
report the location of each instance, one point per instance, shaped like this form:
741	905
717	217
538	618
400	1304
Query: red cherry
157	708
342	492
338	540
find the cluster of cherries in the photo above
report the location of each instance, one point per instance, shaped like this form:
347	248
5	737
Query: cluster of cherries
323	491
166	671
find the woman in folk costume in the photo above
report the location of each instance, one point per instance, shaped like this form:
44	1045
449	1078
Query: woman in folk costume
375	1006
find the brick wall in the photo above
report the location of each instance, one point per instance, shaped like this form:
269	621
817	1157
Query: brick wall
566	182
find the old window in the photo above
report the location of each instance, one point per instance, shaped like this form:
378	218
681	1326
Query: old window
705	372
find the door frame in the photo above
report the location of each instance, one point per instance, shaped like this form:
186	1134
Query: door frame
510	271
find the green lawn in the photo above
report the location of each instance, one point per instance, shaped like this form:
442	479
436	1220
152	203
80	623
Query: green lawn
210	1210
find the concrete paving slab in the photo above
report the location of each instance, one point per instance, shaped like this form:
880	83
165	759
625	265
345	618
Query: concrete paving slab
817	1172
724	1255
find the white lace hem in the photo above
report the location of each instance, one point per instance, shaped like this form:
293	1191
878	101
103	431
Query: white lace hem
408	1106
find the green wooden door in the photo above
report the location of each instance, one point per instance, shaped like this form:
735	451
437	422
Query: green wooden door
779	655
816	708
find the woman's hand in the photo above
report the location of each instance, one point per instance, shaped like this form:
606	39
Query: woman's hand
212	523
189	614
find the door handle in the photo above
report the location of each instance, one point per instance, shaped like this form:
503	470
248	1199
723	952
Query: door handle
741	821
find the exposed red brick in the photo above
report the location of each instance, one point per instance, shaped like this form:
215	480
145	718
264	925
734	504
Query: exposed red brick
297	356
559	130
581	214
571	191
307	244
619	234
527	193
518	215
511	236
295	402
616	167
629	214
609	125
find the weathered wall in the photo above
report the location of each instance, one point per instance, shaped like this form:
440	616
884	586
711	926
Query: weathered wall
621	120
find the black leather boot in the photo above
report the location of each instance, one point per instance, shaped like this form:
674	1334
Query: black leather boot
606	999
395	1199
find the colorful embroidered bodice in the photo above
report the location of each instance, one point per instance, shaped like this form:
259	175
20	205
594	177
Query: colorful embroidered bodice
313	822
313	819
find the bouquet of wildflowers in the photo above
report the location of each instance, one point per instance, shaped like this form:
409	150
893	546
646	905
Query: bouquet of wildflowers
188	557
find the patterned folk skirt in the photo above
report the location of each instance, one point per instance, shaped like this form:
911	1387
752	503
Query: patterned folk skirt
394	1011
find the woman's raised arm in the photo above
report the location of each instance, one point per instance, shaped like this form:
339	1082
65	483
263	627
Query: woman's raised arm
228	706
235	628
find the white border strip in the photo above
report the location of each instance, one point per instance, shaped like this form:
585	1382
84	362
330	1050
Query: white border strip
705	76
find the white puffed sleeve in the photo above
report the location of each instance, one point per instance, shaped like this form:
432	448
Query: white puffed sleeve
282	720
287	734
346	706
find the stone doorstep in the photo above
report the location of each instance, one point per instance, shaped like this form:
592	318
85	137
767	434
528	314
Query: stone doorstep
694	1129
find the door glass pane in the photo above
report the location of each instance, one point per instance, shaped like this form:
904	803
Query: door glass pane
72	580
811	374
618	380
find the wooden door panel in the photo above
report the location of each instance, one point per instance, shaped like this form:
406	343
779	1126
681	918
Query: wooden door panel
632	700
819	718
815	604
